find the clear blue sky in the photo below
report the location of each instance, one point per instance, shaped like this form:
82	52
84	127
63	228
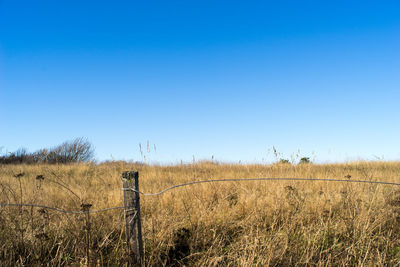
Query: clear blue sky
201	78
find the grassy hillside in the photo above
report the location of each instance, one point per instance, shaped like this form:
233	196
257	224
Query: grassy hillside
276	223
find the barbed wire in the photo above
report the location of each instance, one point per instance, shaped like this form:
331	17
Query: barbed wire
57	209
259	179
192	183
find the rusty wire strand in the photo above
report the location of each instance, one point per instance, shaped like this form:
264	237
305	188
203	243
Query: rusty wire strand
196	182
260	179
56	209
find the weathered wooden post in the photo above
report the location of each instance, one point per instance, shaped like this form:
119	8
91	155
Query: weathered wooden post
86	208
133	226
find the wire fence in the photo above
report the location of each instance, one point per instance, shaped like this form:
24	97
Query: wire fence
260	179
57	209
193	183
131	207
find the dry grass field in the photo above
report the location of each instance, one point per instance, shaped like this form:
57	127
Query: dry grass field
262	223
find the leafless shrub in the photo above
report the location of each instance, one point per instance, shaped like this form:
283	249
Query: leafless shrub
77	150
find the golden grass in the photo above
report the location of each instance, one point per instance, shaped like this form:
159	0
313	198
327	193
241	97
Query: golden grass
267	223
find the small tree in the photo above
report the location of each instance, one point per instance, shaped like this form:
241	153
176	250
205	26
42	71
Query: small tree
78	150
305	160
284	161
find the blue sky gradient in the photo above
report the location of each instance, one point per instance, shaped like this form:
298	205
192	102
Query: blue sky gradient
203	78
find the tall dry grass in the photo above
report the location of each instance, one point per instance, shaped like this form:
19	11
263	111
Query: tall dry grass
271	223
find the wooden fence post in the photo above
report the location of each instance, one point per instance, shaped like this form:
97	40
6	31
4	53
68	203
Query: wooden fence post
86	208
133	226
